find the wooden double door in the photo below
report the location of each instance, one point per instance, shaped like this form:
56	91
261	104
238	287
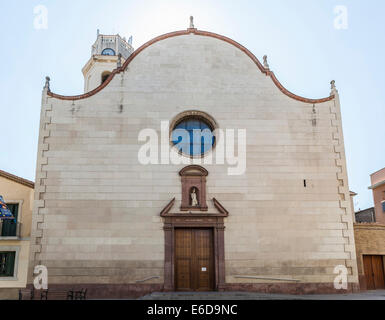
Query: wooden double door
194	260
374	272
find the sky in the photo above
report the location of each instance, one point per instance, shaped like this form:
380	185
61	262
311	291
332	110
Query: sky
308	42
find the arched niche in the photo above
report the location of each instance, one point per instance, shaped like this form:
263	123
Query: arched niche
194	179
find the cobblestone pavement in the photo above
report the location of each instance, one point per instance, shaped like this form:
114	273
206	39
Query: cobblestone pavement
369	295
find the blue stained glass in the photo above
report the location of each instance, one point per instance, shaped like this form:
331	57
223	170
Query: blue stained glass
193	137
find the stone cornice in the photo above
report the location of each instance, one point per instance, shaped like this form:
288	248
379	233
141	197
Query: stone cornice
370	226
379	184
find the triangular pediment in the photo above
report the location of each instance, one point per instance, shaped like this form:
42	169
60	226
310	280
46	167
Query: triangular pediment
218	210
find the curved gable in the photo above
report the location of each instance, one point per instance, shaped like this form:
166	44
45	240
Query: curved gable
135	54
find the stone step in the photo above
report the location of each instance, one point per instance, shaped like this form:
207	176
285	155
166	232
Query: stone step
217	296
369	295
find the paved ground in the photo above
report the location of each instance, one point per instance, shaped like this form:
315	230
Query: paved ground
369	295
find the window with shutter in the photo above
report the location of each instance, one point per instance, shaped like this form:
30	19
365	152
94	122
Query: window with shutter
7	264
383	206
9	228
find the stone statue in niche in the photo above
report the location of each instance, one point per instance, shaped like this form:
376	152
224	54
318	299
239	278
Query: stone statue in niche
193	188
194	200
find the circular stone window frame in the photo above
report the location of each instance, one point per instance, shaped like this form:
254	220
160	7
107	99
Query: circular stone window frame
200	115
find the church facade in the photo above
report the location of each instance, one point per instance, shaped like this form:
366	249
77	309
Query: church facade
130	199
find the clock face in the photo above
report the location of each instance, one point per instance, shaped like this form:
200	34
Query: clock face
108	52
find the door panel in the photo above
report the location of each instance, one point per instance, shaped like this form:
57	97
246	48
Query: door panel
378	271
369	272
204	276
374	272
194	260
183	275
203	256
183	259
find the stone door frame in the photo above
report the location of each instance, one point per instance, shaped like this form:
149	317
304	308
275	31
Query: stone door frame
215	222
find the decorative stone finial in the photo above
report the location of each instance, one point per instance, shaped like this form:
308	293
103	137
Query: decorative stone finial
119	63
192	22
47	80
333	87
265	64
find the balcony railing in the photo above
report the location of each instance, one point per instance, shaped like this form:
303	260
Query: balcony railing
9	229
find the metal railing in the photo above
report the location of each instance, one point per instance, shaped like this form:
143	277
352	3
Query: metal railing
32	294
10	229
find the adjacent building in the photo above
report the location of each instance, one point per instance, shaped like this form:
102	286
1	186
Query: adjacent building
378	187
15	234
370	237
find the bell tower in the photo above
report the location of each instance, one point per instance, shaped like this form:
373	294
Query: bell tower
104	59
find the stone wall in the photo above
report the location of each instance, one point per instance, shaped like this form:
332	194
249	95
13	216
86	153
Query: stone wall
97	211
